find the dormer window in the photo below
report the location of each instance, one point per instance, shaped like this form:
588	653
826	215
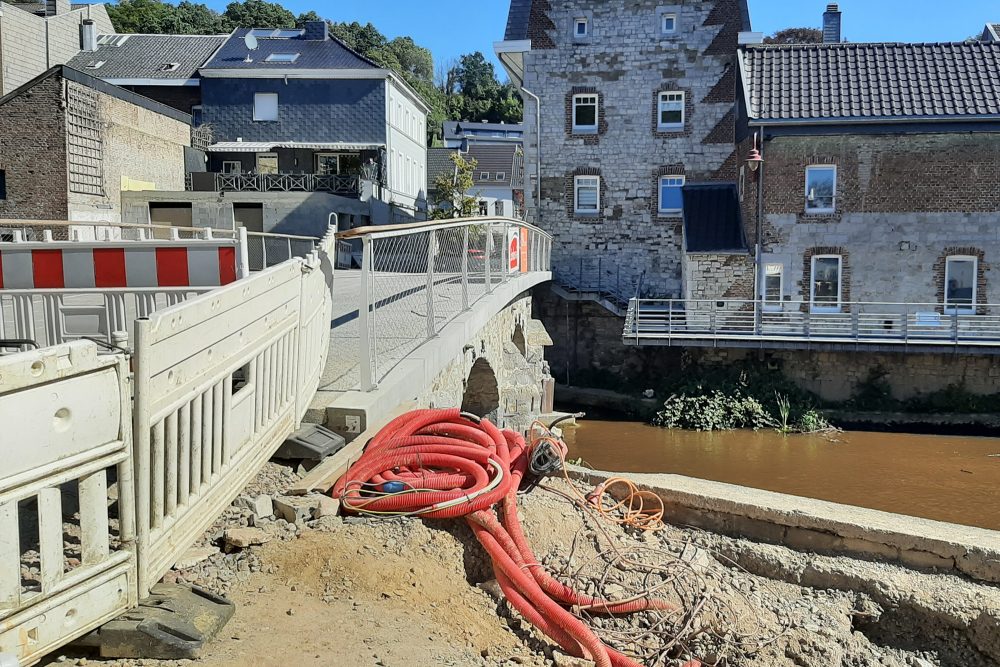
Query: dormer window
581	27
484	176
668	24
501	176
169	67
282	58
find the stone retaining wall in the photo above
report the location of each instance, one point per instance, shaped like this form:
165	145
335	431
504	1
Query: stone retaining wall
817	526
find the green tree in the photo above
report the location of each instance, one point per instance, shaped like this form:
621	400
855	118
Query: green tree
796	36
451	196
197	19
143	16
304	17
257	14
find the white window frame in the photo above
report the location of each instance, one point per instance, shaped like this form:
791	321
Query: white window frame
257	98
661	102
962	309
823	210
576	195
586	129
659	184
577	22
484	175
238	170
500	175
826	308
284	58
772	304
663	24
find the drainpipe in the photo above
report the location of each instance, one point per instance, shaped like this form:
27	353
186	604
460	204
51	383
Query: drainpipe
538	153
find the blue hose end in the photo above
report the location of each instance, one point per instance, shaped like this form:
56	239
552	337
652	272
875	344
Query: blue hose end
393	487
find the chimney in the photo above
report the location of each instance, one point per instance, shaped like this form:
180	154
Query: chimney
88	35
316	31
831	24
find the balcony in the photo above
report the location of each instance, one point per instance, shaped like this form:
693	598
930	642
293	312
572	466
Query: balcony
862	326
344	186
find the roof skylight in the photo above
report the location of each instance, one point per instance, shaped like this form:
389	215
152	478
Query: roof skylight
282	58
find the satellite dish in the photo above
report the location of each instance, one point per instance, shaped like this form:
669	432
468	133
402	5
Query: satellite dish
251	42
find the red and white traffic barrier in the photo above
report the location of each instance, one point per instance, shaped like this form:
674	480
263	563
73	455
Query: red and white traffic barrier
123	264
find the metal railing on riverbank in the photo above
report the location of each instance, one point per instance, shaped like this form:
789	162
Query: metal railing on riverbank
790	323
417	278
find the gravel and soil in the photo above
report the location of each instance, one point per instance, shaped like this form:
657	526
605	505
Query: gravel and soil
403	593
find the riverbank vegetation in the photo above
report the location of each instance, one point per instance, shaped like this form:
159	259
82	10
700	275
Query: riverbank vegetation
748	396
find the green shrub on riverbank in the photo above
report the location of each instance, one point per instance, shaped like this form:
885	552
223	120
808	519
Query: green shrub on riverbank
748	396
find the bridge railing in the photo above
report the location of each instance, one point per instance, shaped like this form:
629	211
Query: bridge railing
804	322
417	278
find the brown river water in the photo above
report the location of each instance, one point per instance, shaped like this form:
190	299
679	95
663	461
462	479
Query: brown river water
945	478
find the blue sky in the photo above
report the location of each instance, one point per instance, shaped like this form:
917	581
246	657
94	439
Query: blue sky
450	28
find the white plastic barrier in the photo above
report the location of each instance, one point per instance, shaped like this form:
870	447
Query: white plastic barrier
65	560
220	382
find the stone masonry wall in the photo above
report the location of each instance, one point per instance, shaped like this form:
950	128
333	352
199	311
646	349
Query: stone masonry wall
33	153
518	376
904	204
835	376
626	61
718	277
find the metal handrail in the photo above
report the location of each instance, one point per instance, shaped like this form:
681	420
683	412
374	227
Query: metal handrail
849	321
416	278
288	182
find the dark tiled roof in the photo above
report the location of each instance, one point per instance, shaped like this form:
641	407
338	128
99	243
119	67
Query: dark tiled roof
456	129
313	54
493	159
712	220
992	32
872	81
147	56
438	162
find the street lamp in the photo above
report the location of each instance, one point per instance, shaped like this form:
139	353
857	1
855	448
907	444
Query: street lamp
755	159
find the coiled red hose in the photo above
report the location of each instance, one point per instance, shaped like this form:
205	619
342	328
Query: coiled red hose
451	465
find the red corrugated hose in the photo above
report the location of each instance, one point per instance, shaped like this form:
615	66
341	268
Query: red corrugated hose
443	464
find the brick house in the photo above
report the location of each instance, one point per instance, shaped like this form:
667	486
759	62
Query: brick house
70	144
871	204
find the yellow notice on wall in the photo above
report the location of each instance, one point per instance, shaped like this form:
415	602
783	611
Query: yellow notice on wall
135	185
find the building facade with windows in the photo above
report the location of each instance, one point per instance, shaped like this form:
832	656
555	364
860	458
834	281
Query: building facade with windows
625	104
298	127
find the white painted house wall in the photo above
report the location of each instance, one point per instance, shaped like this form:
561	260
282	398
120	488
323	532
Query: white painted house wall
406	148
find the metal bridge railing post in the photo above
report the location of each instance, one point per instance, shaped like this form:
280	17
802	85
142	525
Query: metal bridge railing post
465	267
489	258
505	272
365	320
431	328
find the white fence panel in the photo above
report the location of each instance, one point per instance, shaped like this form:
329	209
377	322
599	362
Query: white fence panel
66	564
220	382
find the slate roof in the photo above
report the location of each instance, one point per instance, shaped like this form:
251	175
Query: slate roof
872	81
456	130
313	54
492	159
145	56
438	162
712	219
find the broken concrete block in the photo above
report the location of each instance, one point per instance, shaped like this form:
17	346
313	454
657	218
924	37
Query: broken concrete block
295	509
261	505
325	506
241	538
193	556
